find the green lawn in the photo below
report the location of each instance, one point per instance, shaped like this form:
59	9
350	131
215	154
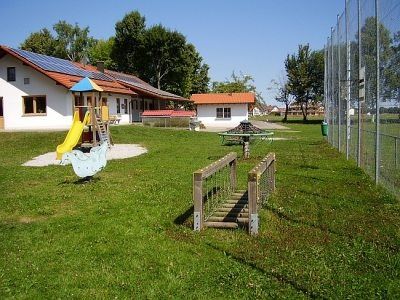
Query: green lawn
328	232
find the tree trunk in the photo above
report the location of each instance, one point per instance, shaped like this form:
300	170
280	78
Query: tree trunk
303	112
286	112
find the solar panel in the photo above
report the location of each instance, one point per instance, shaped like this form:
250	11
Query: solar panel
54	64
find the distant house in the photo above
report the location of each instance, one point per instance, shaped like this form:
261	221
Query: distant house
223	109
312	110
260	109
34	91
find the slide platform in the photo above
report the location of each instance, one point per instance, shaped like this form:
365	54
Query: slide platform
73	135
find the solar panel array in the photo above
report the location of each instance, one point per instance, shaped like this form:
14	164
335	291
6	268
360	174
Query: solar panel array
59	65
138	83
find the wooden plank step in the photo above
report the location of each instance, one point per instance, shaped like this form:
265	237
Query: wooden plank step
230	214
234	210
229	225
227	219
237	201
235	205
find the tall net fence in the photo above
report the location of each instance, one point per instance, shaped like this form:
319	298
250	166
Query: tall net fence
362	87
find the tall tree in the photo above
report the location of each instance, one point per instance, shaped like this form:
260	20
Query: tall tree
129	35
101	51
73	42
41	42
305	71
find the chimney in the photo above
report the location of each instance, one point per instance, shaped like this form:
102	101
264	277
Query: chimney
100	66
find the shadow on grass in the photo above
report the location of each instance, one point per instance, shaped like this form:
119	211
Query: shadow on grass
183	218
85	180
280	277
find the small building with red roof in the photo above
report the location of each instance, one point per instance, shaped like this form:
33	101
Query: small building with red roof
223	109
35	91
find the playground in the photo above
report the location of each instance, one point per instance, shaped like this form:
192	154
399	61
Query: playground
327	231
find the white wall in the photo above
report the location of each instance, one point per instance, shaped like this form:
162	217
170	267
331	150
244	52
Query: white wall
207	114
58	98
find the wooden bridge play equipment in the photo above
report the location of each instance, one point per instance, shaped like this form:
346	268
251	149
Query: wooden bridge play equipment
218	204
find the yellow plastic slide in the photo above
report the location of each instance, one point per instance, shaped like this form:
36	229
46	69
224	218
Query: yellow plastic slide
73	135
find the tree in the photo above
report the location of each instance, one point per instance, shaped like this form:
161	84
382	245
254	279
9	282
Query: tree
237	84
101	51
73	42
70	41
282	94
41	42
305	71
129	35
159	56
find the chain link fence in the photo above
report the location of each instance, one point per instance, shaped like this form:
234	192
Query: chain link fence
362	87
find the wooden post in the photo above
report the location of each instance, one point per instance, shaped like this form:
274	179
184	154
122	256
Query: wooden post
198	200
233	176
273	166
252	196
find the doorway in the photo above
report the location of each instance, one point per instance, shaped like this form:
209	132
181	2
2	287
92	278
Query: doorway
1	114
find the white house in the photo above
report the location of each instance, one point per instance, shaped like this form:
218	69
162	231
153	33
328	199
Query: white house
35	95
223	109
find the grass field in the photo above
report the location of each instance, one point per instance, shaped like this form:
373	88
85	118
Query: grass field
328	232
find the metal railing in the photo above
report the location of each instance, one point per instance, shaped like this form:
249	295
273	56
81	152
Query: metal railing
261	183
212	186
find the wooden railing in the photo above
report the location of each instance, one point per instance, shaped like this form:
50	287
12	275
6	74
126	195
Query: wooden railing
261	183
211	186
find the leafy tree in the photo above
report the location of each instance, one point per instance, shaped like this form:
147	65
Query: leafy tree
129	35
101	51
70	41
237	84
159	56
41	42
73	42
305	71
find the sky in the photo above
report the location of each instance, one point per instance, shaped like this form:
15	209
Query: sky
251	37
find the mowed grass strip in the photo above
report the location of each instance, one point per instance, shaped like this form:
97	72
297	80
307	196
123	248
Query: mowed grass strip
327	232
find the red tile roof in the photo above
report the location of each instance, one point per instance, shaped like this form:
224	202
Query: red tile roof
223	98
168	113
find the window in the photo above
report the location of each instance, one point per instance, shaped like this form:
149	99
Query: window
223	113
227	112
118	106
27	80
220	113
89	100
126	106
104	101
34	105
11	74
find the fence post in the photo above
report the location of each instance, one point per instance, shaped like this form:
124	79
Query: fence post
232	175
348	78
252	196
359	78
273	168
198	201
339	85
395	152
378	138
332	92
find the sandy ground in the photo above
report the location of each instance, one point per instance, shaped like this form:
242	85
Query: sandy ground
260	124
118	151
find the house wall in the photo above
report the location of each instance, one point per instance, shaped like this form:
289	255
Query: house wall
58	98
207	114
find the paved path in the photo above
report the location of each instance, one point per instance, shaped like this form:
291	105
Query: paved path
260	124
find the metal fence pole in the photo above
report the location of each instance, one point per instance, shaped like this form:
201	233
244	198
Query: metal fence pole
377	144
359	68
347	82
332	91
339	85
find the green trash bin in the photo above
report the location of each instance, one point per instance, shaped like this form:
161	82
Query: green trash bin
324	129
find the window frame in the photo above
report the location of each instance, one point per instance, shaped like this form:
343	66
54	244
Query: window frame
118	105
223	113
34	104
125	106
9	77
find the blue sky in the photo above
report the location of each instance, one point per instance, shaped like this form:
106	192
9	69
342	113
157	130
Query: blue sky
252	37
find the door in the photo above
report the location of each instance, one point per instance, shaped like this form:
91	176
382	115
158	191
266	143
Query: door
135	112
1	114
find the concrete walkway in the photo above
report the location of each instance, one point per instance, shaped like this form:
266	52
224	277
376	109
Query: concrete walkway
260	124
